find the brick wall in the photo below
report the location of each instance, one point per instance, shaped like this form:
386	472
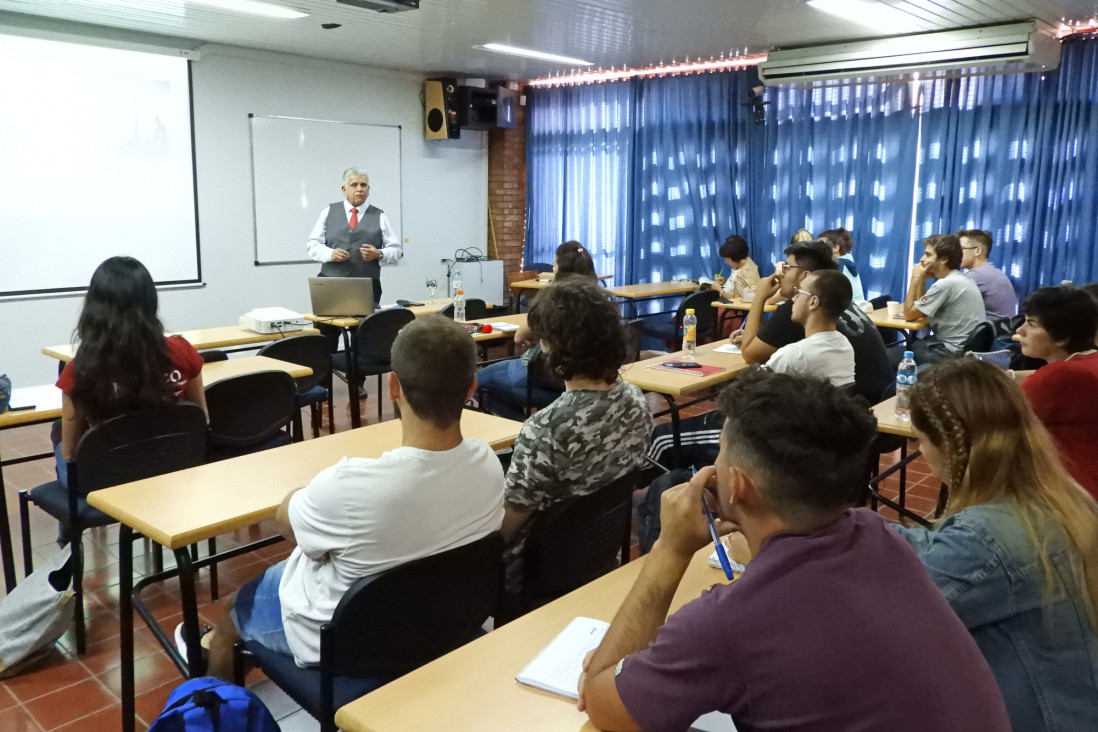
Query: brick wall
507	192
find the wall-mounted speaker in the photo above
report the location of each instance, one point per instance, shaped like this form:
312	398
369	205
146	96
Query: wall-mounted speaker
440	107
486	109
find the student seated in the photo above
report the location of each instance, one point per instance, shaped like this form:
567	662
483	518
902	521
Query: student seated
841	247
362	516
1017	552
124	363
818	303
595	432
505	381
1000	300
835	625
953	304
744	275
1061	326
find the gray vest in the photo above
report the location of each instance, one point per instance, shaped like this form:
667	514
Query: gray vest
338	235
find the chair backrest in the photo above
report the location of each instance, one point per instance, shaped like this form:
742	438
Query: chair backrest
981	338
702	303
539	267
634	331
305	350
375	334
475	309
880	301
578	540
213	356
139	445
248	410
400	619
1001	359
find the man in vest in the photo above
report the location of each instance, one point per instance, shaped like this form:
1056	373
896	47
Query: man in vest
352	238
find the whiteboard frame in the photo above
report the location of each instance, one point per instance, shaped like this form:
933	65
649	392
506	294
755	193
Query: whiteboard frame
255	201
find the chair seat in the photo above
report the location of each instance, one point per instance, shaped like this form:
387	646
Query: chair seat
221	452
314	395
661	328
303	684
53	498
366	366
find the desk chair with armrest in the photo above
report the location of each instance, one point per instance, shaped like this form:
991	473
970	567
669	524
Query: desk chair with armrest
121	450
314	390
702	304
250	413
373	346
387	625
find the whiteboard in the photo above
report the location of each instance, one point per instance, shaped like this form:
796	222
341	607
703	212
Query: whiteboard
297	171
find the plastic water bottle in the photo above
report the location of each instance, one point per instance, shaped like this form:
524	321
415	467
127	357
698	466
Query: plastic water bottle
906	376
455	281
459	306
689	335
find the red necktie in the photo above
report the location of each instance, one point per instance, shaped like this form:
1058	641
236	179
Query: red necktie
354	218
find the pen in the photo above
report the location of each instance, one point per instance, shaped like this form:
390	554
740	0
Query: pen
722	555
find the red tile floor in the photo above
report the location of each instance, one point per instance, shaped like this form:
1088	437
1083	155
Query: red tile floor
64	692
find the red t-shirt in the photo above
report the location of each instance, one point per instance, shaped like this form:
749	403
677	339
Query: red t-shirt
186	364
1064	394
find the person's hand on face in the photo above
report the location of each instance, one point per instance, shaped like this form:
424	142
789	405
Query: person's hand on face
340	255
767	287
683	529
369	252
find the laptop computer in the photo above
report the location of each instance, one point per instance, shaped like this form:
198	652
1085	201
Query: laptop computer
342	296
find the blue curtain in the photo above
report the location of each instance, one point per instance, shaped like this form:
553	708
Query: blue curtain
1016	155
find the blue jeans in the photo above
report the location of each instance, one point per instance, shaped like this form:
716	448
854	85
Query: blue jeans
505	383
61	465
257	611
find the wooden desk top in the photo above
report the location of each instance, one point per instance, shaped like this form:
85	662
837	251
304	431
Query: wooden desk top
473	688
535	284
47	406
203	339
675	383
881	320
888	422
429	307
519	320
190	505
220	370
739	304
653	289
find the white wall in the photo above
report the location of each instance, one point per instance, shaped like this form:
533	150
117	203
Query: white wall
445	192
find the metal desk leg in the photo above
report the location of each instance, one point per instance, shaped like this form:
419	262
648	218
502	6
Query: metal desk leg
125	610
5	537
189	600
352	377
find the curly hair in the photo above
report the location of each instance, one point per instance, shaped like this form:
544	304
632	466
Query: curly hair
838	237
123	359
580	325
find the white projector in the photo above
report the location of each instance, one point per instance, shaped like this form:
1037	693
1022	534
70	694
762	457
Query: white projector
273	320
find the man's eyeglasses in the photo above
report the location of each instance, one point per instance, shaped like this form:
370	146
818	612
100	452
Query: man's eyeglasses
799	291
786	266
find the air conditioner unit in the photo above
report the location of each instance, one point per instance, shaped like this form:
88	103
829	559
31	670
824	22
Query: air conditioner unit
384	6
1004	48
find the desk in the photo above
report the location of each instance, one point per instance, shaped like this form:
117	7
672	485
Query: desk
216	371
740	304
535	284
181	508
203	339
671	384
473	688
881	320
652	291
890	424
519	320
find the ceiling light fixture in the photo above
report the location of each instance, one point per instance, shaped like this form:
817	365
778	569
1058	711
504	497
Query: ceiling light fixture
872	14
255	7
528	53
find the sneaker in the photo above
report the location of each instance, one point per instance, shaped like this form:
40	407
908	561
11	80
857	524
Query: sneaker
205	635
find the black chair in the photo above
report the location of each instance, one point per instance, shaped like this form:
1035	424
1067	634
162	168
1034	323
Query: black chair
634	330
121	450
312	391
475	309
387	625
539	267
250	413
981	339
373	344
572	543
213	356
671	333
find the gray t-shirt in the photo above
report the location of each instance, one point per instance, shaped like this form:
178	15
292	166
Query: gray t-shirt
955	307
1000	300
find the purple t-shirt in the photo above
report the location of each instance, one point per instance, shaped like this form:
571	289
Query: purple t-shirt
841	629
1000	300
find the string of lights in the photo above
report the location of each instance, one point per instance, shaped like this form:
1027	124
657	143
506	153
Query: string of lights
736	60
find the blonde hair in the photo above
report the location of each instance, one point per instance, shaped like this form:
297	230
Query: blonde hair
996	449
801	235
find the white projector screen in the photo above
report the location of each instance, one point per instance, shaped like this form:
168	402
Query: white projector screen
96	160
297	170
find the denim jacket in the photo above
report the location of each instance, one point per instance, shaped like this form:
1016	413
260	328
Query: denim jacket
1038	642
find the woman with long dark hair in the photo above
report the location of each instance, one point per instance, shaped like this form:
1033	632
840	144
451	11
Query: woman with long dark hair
1016	554
124	363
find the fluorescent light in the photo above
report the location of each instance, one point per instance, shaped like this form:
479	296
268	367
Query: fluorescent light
254	7
875	15
528	53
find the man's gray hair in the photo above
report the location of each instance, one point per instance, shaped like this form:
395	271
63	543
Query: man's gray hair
355	172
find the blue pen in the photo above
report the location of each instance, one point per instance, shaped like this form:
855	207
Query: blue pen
722	555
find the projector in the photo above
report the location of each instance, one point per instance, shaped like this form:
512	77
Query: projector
383	6
273	320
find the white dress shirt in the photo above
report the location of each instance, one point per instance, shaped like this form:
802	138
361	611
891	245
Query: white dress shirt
391	249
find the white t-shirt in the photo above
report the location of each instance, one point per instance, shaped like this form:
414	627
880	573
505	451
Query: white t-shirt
369	515
827	355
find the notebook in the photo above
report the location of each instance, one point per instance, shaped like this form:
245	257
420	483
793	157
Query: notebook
700	371
341	296
557	668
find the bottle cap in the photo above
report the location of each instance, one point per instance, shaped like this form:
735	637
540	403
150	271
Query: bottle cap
690	311
460	292
909	354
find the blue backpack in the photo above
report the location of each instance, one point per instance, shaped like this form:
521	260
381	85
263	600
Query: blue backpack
212	705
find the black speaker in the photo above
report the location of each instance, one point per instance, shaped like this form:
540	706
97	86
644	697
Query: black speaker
440	106
486	109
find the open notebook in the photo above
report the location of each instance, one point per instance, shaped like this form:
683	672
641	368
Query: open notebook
557	668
